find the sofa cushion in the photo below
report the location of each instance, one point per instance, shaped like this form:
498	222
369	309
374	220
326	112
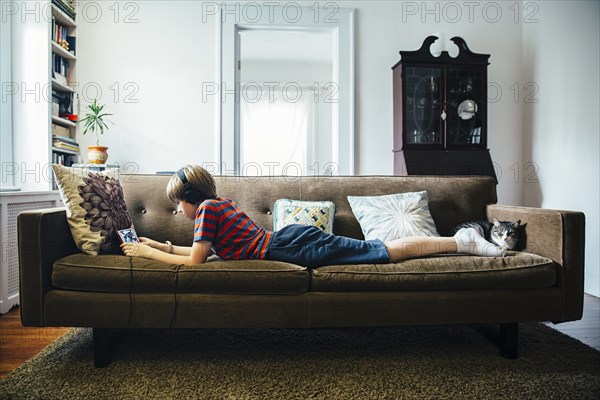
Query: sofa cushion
393	216
312	213
113	273
96	209
518	270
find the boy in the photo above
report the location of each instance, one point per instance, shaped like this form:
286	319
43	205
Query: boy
223	228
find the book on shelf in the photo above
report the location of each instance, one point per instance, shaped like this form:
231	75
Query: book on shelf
64	159
64	146
64	143
65	3
66	7
60	66
64	139
59	32
60	35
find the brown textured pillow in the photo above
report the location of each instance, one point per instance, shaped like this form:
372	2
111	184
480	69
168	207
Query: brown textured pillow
95	206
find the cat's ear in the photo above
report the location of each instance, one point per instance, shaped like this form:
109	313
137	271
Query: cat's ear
517	223
496	222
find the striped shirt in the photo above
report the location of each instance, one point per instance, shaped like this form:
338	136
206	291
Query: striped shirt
233	235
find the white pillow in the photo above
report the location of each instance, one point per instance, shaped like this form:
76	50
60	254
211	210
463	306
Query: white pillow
393	216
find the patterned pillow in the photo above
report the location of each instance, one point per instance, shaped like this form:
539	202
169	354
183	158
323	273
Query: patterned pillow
316	213
95	206
393	216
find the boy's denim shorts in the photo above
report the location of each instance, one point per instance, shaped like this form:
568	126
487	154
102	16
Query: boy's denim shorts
309	246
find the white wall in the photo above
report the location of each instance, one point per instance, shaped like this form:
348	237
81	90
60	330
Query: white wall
561	56
158	54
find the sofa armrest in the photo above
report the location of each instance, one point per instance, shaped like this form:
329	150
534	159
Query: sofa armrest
560	236
44	236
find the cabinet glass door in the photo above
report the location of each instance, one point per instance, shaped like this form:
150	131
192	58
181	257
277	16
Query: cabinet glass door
465	107
422	123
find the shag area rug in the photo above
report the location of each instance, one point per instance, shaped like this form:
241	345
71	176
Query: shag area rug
395	363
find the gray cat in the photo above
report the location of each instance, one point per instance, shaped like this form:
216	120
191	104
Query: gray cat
504	234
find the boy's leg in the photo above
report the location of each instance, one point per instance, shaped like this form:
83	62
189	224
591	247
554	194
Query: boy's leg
311	247
466	240
419	246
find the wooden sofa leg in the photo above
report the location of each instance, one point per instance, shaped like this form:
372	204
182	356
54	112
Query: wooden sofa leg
509	340
101	347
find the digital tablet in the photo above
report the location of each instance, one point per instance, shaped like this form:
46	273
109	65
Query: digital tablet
128	235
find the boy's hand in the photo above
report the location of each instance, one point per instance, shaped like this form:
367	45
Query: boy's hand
136	250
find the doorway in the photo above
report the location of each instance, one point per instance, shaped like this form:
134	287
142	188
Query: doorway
293	108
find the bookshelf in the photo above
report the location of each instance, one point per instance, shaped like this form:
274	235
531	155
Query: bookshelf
64	107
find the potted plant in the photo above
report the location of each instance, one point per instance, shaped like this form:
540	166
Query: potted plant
95	121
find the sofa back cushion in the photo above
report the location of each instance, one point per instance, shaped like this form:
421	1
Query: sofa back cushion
452	200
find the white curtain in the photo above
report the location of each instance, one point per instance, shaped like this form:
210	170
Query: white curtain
276	126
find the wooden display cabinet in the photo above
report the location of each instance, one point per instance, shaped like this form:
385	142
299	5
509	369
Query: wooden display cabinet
440	112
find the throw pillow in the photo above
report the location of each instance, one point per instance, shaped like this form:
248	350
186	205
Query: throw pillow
316	213
393	216
96	209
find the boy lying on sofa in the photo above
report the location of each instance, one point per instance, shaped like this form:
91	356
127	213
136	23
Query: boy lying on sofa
221	227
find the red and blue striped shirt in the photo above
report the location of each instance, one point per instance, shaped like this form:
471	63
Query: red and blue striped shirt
234	236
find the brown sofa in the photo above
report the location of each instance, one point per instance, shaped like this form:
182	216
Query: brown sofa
542	282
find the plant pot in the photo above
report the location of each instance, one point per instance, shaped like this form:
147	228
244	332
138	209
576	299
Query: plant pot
97	154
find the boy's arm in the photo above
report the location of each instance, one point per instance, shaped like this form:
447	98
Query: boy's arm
198	254
181	250
164	247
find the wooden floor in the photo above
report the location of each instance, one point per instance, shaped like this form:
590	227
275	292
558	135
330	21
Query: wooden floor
18	343
587	329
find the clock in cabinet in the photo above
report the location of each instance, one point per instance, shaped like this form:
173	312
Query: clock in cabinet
440	112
